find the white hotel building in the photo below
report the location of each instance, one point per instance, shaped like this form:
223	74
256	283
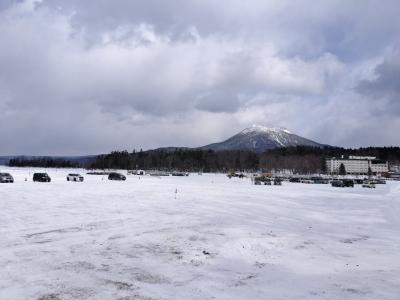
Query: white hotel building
357	165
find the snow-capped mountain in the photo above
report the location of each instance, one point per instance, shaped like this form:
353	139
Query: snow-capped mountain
259	139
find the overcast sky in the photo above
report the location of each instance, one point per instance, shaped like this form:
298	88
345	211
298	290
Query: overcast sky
86	77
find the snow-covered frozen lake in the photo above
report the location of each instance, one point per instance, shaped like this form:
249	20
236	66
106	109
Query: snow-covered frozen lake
216	238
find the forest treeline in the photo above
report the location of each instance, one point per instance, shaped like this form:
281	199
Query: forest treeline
42	163
299	159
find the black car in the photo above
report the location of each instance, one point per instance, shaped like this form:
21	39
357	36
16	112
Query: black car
41	177
337	183
348	182
6	178
319	180
116	176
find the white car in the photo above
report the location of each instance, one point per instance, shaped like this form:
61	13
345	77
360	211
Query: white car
74	177
6	178
369	185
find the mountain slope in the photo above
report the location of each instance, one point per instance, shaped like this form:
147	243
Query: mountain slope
260	138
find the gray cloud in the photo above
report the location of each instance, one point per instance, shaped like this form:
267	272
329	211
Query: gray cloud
140	74
303	28
384	88
4	4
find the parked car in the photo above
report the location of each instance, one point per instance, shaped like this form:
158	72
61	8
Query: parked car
230	175
277	181
116	176
267	181
41	177
337	183
348	182
74	177
136	172
380	181
369	185
262	180
158	173
6	178
176	173
319	180
294	179
307	181
141	172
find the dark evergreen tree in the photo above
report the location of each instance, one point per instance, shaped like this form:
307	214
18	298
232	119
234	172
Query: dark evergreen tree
370	171
323	165
342	169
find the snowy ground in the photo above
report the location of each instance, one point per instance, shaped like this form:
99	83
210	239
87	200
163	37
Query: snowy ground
218	239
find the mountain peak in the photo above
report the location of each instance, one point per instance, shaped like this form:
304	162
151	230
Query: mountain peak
263	129
260	138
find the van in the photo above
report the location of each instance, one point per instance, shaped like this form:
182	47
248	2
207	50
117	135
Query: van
116	176
41	177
